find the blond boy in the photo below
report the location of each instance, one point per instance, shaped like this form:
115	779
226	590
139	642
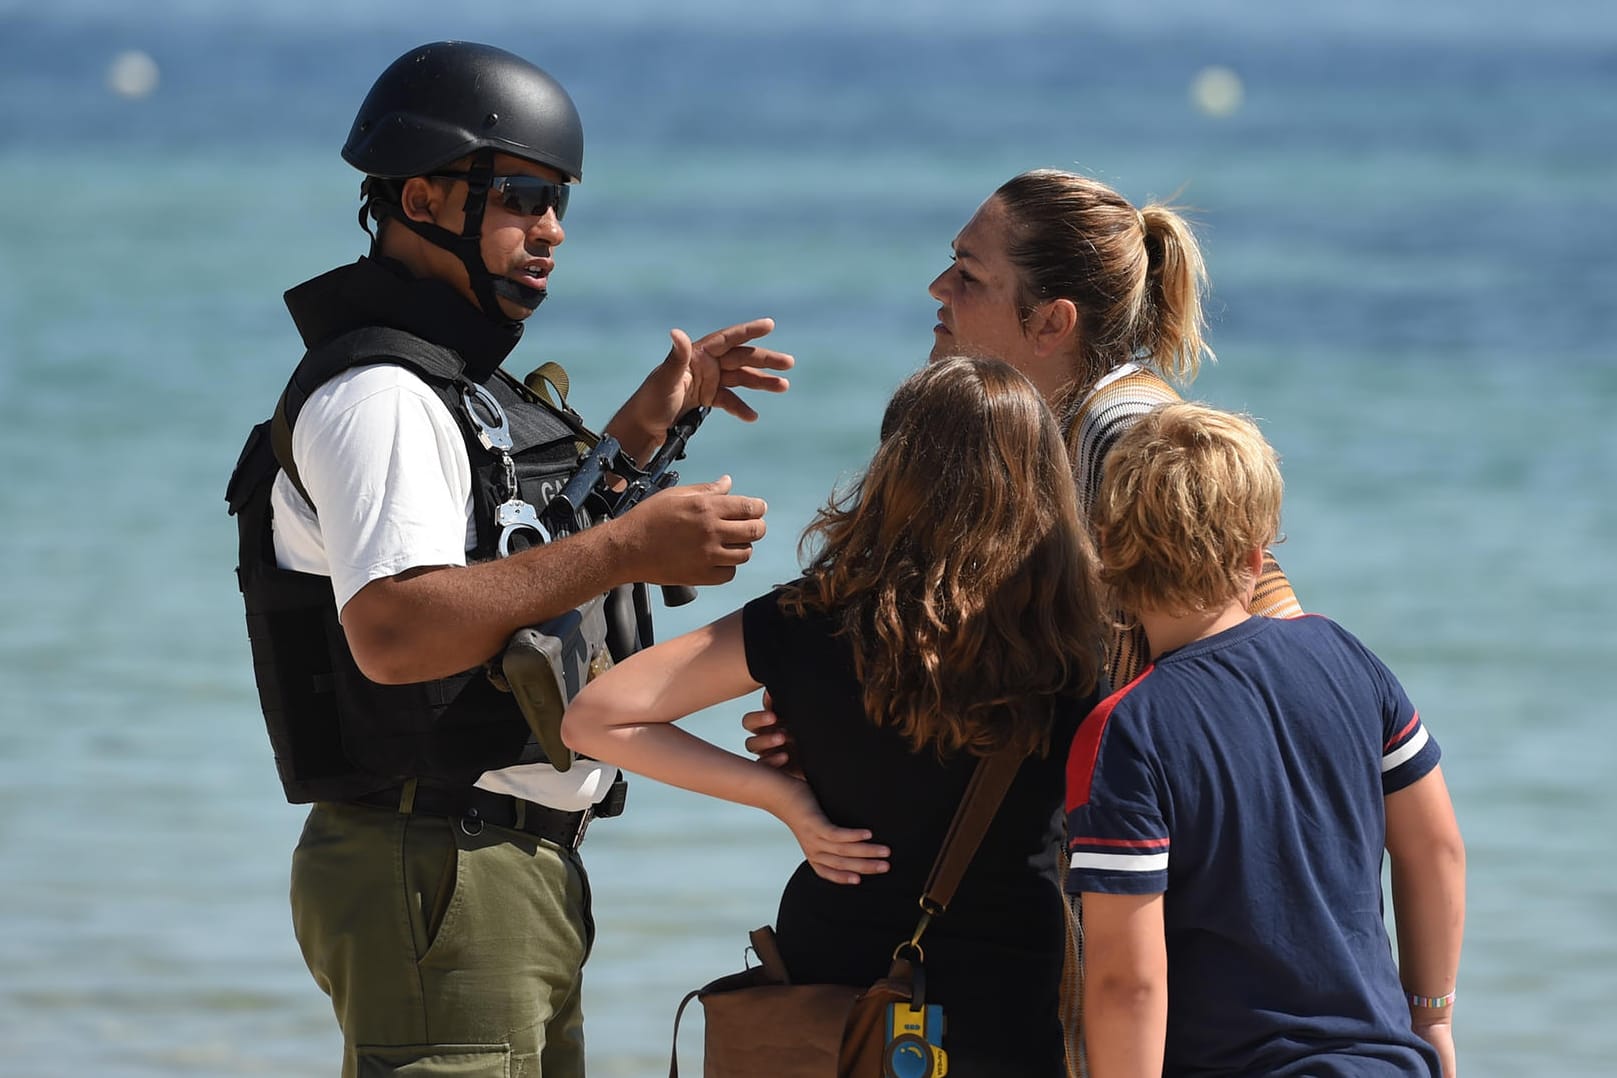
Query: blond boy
1228	809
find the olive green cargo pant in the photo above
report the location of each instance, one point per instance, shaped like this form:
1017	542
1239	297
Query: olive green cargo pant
444	953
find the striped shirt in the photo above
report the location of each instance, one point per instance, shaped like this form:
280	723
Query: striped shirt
1112	407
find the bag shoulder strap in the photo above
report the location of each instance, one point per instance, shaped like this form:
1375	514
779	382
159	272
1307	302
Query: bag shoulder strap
978	806
673	1059
864	1034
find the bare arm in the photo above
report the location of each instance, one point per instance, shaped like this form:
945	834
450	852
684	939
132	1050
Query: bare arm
1428	897
626	717
1125	985
435	621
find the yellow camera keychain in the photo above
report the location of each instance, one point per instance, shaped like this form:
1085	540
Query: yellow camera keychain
914	1042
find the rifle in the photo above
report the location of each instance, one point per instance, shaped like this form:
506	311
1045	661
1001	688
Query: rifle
544	666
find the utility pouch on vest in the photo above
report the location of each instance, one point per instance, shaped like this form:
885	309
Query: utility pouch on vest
546	665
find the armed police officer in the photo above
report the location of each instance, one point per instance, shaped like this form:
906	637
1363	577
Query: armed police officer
393	539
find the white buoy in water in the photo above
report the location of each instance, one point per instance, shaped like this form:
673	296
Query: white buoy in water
132	74
1217	91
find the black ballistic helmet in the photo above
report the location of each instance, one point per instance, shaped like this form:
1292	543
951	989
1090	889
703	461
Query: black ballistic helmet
448	100
439	102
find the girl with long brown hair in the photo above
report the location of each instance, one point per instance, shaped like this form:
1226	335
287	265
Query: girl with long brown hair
950	610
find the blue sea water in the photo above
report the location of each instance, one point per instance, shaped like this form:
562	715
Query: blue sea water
1411	226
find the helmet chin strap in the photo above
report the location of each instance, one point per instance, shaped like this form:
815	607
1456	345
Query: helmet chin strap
520	294
468	246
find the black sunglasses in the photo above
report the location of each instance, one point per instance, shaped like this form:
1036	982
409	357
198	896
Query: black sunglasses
531	196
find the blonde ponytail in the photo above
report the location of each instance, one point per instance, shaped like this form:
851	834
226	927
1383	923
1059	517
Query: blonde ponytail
1135	275
1171	322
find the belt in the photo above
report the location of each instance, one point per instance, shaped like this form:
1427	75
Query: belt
476	807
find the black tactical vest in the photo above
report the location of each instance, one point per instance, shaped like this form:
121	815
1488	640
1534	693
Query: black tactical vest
335	733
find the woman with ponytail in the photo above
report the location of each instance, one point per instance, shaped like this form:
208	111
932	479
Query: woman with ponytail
1099	304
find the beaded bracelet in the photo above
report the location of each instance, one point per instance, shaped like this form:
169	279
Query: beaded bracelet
1431	1001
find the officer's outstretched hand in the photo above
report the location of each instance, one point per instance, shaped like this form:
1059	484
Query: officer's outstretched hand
704	373
694	534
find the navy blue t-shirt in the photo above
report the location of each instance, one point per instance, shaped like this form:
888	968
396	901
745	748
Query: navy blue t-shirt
1242	777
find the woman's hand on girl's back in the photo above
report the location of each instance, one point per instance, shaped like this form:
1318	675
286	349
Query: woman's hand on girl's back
769	740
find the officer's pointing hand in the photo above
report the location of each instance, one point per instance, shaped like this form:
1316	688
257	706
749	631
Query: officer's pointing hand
704	373
694	534
722	361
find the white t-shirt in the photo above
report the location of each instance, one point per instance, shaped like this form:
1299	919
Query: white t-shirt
382	457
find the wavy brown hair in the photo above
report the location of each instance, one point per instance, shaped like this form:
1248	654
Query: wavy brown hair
958	568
